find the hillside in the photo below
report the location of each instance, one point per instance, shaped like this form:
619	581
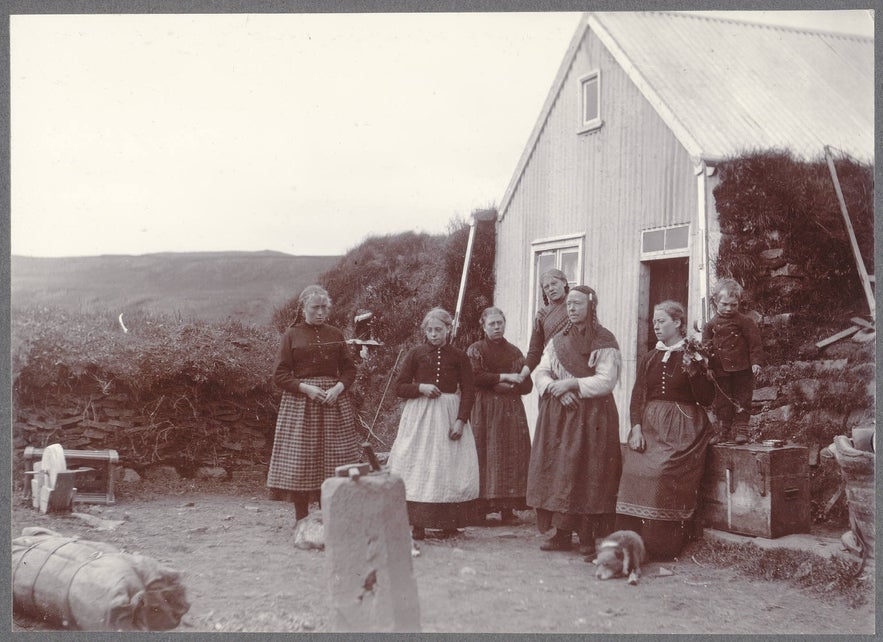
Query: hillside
245	286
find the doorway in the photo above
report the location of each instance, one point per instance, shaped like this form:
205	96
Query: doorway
660	279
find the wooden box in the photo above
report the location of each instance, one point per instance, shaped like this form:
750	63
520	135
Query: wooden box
756	490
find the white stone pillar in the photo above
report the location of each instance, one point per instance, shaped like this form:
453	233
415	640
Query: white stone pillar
368	545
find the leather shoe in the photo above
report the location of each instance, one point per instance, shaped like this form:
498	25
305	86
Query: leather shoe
557	543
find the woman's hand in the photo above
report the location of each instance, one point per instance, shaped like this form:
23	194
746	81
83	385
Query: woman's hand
636	439
569	400
313	392
456	431
561	386
429	390
333	393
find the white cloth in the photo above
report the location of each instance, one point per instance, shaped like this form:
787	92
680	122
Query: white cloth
606	361
669	349
52	463
435	468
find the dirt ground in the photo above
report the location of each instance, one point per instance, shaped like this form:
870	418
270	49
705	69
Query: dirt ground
242	573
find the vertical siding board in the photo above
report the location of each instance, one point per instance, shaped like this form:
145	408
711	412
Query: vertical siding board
609	184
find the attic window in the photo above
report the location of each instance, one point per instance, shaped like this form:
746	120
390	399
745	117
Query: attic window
590	101
665	241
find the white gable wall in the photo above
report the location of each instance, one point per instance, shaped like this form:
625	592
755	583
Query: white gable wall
629	175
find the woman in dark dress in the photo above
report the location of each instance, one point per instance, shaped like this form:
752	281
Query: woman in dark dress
663	464
315	428
575	459
434	450
550	319
499	423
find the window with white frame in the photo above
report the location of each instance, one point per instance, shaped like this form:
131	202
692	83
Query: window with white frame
660	242
590	101
564	253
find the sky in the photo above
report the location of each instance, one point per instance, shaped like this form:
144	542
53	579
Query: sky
303	134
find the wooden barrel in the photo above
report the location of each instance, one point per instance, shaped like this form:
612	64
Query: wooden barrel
857	467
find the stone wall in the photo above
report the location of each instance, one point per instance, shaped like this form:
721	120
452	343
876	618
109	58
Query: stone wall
186	431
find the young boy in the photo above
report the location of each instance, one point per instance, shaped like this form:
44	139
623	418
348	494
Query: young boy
738	358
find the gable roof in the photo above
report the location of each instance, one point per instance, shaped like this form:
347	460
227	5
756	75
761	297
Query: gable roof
726	87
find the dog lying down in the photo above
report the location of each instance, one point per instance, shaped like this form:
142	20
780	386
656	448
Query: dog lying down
620	554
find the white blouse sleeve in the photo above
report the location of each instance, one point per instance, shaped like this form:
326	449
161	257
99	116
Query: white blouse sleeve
608	363
542	375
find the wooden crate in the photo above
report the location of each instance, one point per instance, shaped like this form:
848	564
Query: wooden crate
756	490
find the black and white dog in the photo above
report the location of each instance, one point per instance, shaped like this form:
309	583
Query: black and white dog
620	554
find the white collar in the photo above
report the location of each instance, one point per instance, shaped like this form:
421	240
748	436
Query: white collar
669	349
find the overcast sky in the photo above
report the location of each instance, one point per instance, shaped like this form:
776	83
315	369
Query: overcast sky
304	134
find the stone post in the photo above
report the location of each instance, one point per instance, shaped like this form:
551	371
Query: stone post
368	545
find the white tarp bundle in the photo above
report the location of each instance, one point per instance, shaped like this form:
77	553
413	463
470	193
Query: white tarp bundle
92	586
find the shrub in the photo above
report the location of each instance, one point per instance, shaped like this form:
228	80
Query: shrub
770	200
52	348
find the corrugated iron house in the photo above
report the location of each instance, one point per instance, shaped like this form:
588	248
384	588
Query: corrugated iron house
615	183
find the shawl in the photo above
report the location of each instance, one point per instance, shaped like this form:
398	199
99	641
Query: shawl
573	348
553	319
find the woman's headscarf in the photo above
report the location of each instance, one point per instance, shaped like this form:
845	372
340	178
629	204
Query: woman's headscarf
574	347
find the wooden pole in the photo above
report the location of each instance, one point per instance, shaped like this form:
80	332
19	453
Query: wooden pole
478	215
860	264
456	325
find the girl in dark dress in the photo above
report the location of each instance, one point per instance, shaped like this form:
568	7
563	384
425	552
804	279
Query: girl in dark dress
315	428
499	423
434	450
663	464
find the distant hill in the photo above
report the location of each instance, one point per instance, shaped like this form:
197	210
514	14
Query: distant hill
246	286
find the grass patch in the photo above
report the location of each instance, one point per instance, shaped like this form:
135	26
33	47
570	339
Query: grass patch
801	569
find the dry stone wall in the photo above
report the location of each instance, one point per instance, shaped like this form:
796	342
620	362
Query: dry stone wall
192	433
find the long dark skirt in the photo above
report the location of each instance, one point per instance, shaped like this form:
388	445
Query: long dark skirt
574	463
661	484
312	439
502	441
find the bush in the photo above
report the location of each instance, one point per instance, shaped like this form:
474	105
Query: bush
770	200
53	349
399	278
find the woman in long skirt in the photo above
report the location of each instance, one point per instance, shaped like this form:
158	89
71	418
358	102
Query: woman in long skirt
499	422
575	459
434	450
315	428
664	462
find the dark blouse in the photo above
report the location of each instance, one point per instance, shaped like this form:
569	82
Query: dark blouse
491	358
445	366
312	351
549	320
737	342
668	381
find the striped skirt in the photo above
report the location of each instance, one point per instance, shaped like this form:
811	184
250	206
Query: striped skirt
312	439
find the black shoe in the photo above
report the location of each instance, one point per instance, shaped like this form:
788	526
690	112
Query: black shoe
558	542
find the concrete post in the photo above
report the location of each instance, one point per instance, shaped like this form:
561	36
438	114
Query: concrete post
368	545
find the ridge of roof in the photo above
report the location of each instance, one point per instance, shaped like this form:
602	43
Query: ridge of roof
699	15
